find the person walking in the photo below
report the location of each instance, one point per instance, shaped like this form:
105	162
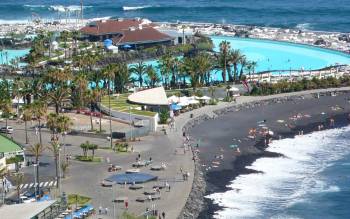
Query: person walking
163	215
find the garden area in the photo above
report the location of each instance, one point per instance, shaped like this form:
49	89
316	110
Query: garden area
121	104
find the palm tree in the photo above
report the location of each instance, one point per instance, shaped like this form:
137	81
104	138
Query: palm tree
18	179
243	62
174	65
121	77
39	110
85	148
212	90
64	168
235	57
16	92
109	73
93	147
204	67
152	75
164	65
81	86
140	70
183	72
191	66
6	109
224	53
3	173
36	150
58	86
55	149
27	116
92	96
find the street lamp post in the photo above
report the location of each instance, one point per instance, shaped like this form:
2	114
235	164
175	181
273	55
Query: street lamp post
59	171
130	124
114	201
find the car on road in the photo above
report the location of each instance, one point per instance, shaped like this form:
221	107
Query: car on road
25	199
7	130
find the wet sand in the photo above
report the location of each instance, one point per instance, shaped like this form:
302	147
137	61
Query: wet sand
231	128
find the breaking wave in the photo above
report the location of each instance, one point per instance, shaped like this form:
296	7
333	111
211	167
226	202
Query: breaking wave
127	8
285	181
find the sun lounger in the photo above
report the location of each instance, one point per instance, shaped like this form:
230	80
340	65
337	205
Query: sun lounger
157	168
136	187
132	171
151	192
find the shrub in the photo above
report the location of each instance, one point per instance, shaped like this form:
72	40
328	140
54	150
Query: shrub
163	116
213	102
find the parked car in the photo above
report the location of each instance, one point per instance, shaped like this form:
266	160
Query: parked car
25	199
8	130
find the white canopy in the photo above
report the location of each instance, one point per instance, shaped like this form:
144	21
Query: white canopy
184	103
173	99
193	101
233	89
205	98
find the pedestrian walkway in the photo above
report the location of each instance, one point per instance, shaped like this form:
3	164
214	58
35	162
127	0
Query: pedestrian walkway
46	184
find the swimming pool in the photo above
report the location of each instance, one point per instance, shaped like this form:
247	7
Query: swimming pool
8	54
275	55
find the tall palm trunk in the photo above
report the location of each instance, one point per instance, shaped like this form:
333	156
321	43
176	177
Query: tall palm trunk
57	174
26	131
110	116
235	71
40	138
224	71
92	125
37	174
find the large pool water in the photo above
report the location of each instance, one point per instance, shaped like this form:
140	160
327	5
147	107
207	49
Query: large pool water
9	54
273	55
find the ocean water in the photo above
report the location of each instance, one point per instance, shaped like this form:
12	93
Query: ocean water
311	181
313	14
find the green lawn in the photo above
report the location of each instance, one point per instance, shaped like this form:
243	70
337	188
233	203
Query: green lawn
75	199
6	145
120	104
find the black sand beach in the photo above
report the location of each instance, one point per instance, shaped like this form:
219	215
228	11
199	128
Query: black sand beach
232	126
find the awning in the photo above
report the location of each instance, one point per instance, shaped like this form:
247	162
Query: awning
175	107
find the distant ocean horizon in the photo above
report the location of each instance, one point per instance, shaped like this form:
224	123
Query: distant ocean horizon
310	15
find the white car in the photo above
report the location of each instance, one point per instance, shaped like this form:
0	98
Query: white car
8	130
25	199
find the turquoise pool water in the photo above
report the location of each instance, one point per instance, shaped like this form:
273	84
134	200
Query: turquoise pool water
273	55
8	54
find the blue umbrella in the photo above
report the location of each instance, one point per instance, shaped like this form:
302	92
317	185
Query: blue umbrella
174	106
107	42
127	46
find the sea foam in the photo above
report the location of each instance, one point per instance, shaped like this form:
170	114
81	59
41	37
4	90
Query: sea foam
127	8
286	180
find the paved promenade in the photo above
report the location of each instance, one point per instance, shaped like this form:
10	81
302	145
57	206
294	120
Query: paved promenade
85	178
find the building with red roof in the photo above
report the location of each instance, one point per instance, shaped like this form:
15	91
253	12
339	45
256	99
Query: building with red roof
133	33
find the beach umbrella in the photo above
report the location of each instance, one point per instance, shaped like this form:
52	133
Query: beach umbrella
175	107
173	99
127	46
107	43
193	98
193	101
183	103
